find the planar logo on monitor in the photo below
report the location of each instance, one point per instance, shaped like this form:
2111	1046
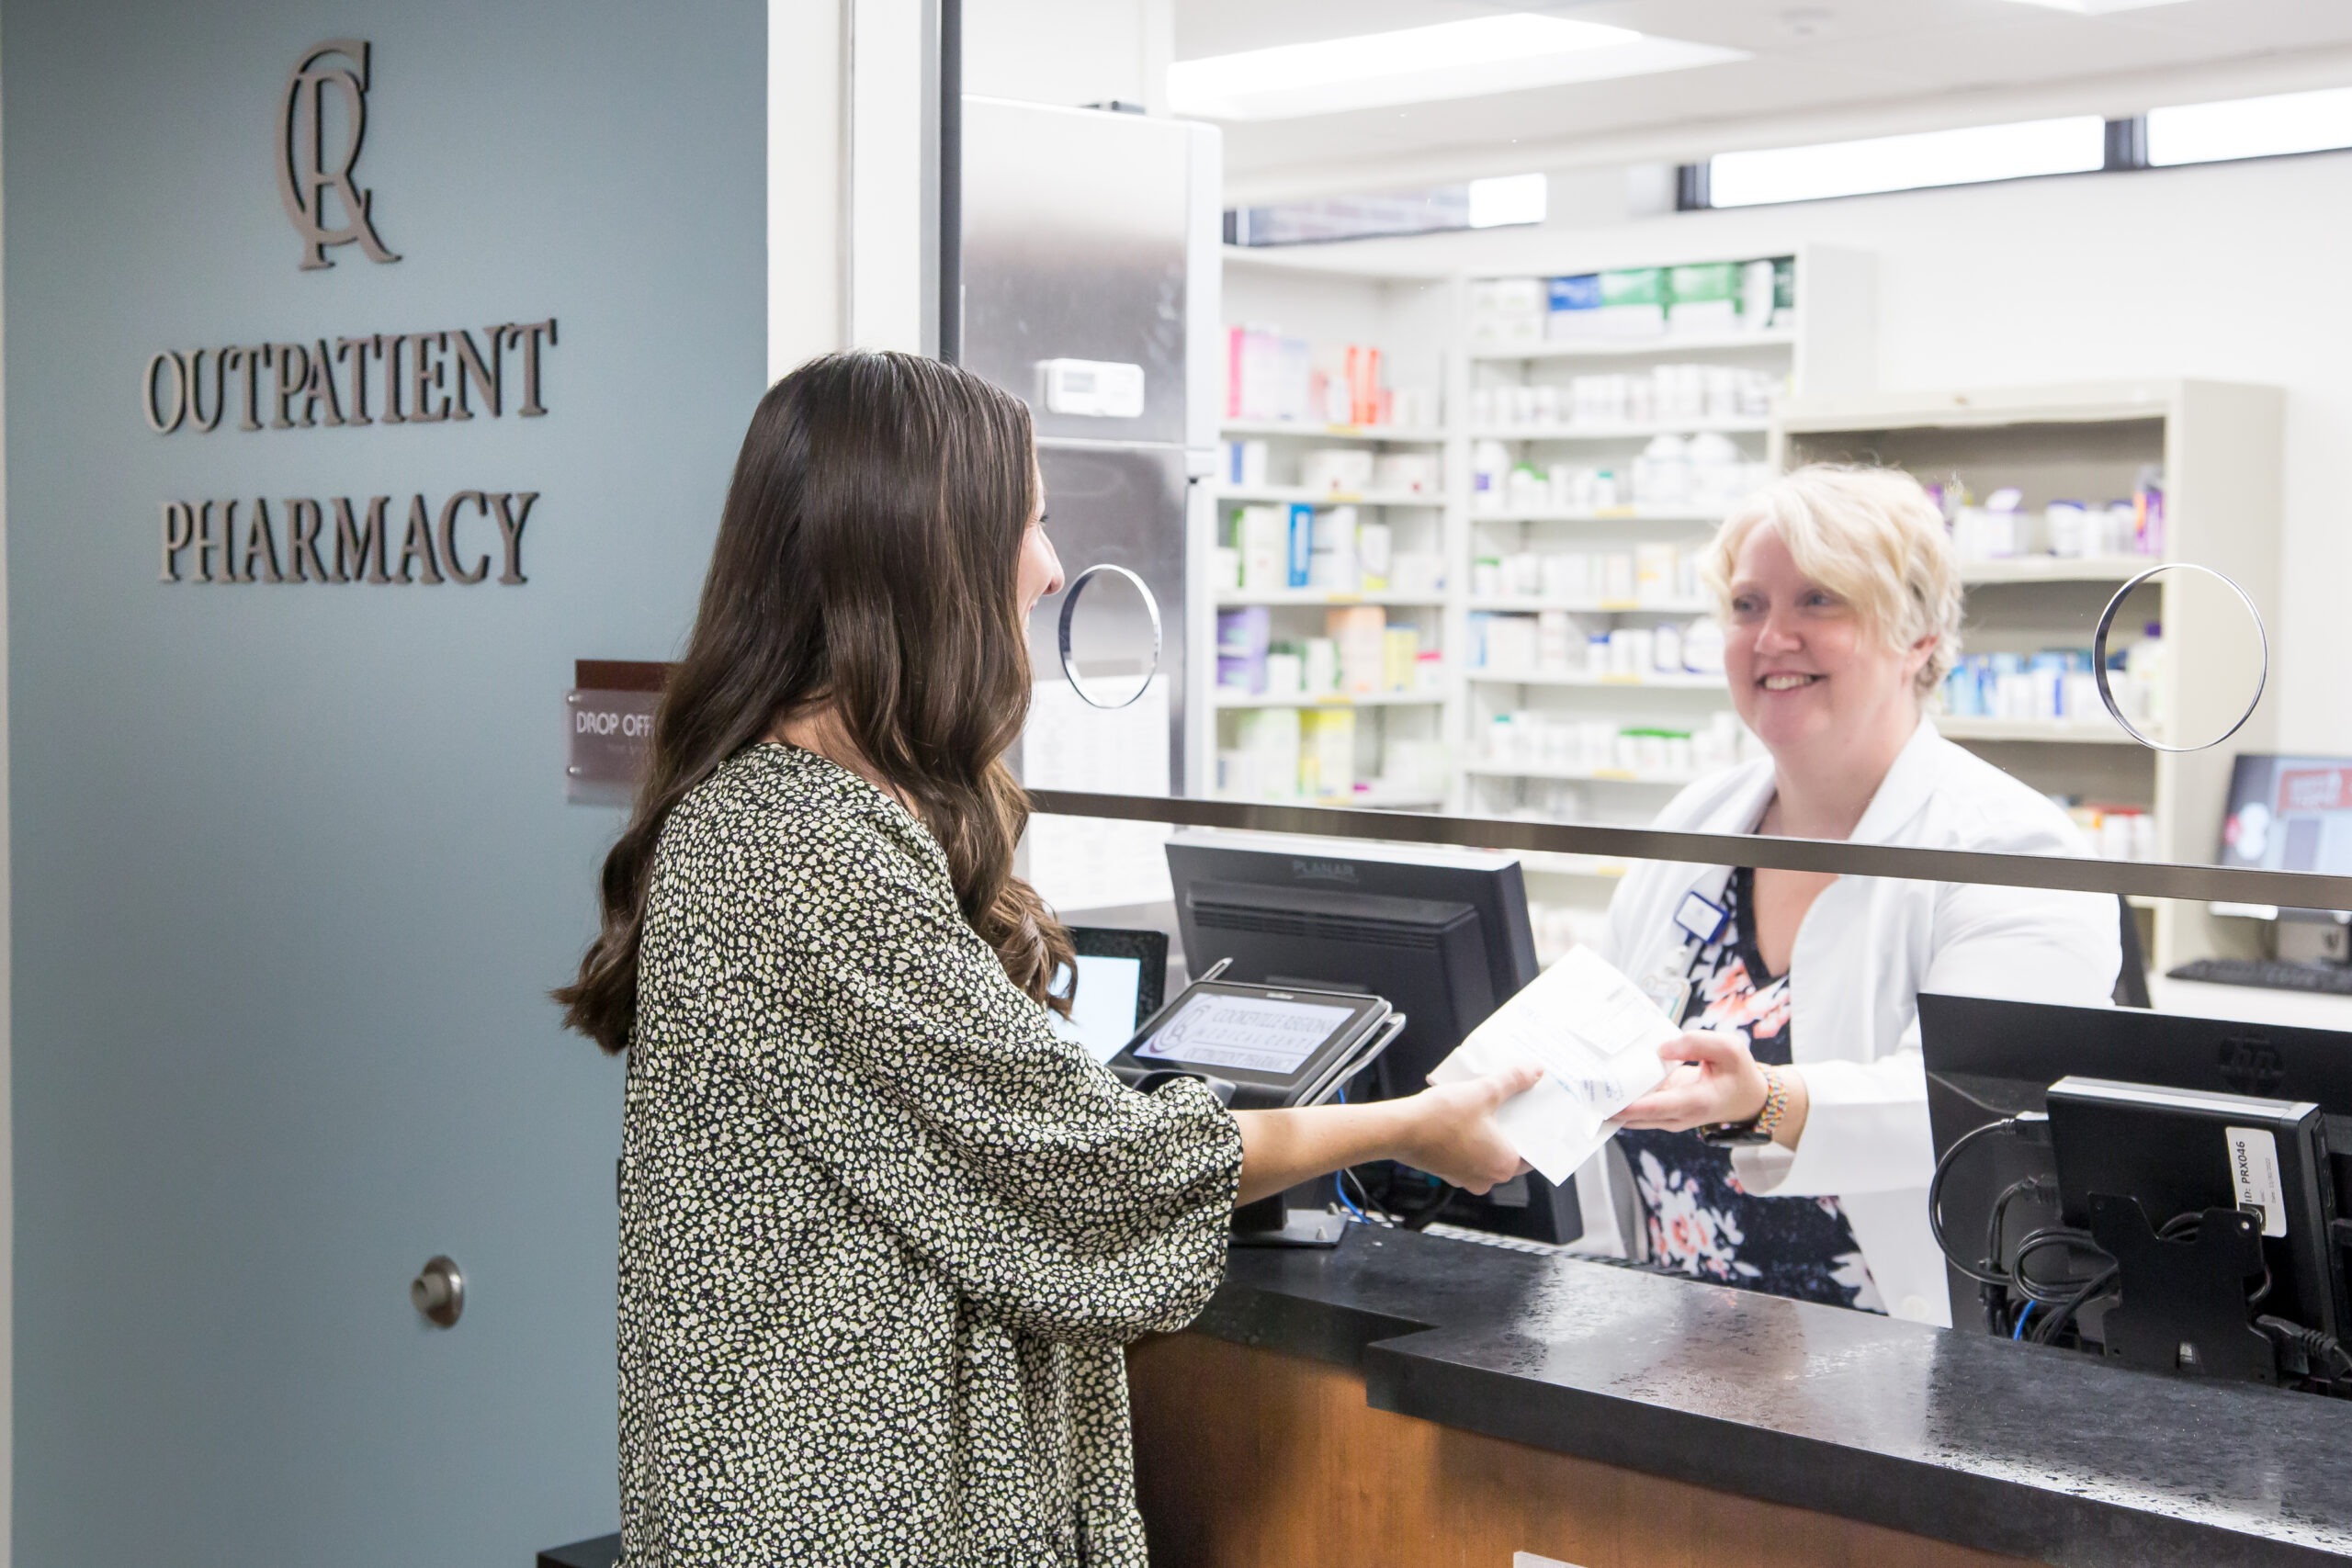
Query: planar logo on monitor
1323	869
326	106
2251	1065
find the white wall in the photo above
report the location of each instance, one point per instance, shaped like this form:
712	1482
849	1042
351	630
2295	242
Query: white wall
2232	272
808	276
1070	52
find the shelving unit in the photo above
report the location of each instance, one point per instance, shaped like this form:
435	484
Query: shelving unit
1656	682
1395	434
2112	570
1613	515
1422	325
1322	599
1579	775
2220	448
1413	319
1721	425
1506	606
1669	347
1831	348
1331	700
1289	494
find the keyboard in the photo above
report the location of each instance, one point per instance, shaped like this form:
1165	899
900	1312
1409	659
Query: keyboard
2272	973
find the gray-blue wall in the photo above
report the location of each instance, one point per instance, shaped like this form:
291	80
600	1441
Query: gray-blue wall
293	868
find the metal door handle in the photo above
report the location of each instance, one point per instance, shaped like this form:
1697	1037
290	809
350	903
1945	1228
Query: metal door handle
438	1292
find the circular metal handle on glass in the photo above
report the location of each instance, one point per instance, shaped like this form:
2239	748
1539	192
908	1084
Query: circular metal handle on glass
2107	623
439	1292
1096	691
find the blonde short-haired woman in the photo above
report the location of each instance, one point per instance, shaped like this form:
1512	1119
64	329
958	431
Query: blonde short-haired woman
1840	605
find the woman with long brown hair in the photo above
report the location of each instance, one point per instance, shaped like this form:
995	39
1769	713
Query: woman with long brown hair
883	1232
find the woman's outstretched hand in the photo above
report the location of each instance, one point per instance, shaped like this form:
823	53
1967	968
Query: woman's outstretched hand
1452	1133
1714	1079
1447	1130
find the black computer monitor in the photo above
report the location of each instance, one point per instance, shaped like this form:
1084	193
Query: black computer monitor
1442	934
1988	1060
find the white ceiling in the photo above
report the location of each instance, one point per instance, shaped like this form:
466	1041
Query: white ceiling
1821	69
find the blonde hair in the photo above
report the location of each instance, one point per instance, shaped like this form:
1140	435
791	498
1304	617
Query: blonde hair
1870	536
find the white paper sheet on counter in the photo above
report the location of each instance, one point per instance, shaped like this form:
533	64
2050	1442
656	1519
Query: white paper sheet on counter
1596	1037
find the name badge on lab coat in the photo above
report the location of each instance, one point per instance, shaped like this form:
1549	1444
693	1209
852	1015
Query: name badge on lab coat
1700	917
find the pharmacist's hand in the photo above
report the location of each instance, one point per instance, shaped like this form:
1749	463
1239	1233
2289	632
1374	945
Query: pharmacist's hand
1451	1133
1713	1079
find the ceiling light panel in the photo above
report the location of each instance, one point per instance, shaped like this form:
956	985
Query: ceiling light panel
2097	7
1452	59
2076	144
2251	127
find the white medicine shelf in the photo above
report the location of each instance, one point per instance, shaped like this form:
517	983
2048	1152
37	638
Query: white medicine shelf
1510	605
1654	680
1423	322
1403	434
1722	424
1225	699
1576	775
2220	446
1600	515
2057	569
1329	497
1632	348
1379	798
1385	799
2077	732
1326	598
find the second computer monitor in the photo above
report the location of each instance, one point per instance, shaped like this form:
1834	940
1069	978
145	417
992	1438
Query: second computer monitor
2290	814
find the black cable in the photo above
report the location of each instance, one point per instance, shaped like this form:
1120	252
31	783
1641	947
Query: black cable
2318	1348
2179	1226
1420	1218
1996	1297
2050	1293
1376	1212
1936	1196
2010	1194
2064	1313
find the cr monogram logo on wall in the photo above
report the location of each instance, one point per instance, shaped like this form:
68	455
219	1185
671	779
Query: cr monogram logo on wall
308	177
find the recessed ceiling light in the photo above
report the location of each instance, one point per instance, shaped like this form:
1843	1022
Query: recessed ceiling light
1452	60
2096	8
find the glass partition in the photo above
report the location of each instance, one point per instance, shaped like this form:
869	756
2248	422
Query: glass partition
1424	520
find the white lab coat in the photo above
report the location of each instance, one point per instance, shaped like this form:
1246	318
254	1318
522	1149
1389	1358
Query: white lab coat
1864	952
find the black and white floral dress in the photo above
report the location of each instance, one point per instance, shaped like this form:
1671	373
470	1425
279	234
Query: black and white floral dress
1698	1218
883	1233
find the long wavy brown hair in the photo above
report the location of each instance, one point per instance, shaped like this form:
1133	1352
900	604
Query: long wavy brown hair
868	560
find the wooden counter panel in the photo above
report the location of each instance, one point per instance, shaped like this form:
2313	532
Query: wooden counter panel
1253	1458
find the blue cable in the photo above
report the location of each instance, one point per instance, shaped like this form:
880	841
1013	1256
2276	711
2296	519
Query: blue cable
2019	1332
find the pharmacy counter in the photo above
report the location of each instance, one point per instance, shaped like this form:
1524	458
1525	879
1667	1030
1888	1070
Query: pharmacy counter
1414	1399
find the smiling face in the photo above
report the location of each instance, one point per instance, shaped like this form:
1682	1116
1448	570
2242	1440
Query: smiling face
1806	670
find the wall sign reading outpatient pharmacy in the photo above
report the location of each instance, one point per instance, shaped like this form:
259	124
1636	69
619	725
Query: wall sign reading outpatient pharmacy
448	374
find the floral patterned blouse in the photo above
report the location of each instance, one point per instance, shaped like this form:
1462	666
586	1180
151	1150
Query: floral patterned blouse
1698	1218
883	1233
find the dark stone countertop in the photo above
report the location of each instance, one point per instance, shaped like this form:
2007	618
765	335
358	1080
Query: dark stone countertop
603	1551
2020	1448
